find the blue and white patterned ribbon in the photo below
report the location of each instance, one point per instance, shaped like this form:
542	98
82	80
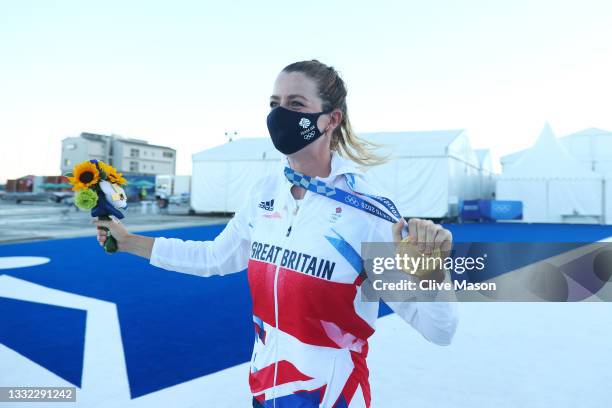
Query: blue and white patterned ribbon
320	187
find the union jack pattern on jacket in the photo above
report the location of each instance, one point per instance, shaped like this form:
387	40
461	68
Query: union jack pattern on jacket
311	327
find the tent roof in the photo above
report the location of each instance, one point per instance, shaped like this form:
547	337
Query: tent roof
251	148
484	159
509	159
590	132
590	145
417	143
547	159
401	144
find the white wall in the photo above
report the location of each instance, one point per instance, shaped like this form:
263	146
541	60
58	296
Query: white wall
223	186
418	186
554	200
531	193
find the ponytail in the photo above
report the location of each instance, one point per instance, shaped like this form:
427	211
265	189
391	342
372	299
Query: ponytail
332	91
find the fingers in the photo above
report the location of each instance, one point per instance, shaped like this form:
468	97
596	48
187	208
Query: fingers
103	229
444	240
429	236
113	224
431	230
100	223
102	235
417	230
397	230
412	229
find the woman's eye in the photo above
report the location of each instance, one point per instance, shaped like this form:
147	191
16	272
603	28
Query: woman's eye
294	104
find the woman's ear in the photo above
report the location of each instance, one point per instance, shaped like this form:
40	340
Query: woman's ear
335	119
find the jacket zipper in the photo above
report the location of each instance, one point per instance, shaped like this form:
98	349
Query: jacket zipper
295	211
287	239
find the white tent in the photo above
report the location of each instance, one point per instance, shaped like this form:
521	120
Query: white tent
552	184
486	174
591	147
222	175
429	172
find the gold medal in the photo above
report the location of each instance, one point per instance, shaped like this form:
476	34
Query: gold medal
415	262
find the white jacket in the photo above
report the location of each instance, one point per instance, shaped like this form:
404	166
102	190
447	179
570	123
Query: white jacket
311	327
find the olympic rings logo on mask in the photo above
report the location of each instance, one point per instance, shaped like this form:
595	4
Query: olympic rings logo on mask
309	135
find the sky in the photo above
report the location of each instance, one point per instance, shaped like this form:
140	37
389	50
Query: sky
182	73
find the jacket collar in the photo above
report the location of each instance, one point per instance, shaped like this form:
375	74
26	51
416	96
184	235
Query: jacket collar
339	166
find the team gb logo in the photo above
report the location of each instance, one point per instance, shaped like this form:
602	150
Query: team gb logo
304	123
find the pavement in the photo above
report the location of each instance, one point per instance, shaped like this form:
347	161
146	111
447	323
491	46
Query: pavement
39	221
130	335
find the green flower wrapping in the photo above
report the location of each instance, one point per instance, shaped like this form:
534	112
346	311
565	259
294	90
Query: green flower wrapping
86	199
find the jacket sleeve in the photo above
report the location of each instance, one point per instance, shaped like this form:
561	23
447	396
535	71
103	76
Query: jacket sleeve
227	253
435	320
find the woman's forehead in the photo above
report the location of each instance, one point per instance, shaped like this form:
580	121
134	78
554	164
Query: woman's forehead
294	83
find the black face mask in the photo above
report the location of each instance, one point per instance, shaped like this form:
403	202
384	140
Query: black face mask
291	131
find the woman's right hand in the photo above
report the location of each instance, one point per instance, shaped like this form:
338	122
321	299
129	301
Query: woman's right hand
117	230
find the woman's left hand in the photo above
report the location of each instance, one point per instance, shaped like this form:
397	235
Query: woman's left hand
429	239
425	235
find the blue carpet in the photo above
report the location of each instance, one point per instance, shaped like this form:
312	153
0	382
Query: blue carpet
528	232
51	336
177	327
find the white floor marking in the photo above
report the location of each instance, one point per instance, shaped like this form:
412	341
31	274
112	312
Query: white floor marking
14	262
105	381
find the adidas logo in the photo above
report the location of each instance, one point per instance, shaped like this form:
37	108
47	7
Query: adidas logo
267	205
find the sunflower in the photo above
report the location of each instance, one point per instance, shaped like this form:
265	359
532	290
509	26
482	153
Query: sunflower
111	173
85	174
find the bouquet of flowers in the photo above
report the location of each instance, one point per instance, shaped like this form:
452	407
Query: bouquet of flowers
98	188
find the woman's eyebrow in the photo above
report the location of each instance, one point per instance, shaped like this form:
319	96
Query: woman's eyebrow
292	96
296	96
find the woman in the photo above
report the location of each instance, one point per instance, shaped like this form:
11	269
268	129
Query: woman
311	327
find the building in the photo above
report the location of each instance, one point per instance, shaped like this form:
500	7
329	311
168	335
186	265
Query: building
25	184
128	156
35	184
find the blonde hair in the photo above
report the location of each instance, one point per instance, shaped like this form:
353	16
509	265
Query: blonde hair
332	91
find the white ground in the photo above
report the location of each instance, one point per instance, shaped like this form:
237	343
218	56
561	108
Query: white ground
504	355
521	355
